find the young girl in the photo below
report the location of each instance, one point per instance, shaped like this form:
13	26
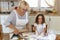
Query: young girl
39	25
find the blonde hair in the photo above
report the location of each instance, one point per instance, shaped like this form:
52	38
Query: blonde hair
24	2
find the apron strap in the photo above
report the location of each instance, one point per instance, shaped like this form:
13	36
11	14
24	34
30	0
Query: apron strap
26	15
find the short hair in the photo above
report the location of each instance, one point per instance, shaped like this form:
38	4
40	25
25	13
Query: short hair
25	3
43	18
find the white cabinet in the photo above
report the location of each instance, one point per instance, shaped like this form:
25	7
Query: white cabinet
3	18
55	23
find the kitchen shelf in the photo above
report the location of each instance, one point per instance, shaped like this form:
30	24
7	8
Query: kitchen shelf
4	12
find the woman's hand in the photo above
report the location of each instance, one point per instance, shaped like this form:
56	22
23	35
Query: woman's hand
16	31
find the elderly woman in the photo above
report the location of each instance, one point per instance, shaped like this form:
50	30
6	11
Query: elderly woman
18	18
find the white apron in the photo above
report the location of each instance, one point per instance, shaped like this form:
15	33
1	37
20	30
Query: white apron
21	22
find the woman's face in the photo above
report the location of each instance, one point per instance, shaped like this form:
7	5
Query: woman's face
40	19
24	8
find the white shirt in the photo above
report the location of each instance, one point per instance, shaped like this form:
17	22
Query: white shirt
39	27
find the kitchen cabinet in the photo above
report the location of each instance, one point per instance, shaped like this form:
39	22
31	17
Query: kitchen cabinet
55	23
3	18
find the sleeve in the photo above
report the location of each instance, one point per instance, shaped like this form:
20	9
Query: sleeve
9	19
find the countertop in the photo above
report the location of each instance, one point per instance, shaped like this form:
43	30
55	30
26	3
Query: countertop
36	14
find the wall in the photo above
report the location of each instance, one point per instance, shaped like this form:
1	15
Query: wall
57	6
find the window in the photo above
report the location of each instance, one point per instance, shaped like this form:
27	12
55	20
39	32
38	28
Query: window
47	3
32	3
42	3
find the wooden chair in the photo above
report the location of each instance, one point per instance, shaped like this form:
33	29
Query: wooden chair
33	30
32	27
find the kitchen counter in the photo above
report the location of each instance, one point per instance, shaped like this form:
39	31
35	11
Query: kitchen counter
7	13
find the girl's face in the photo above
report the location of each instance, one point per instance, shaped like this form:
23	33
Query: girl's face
40	19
